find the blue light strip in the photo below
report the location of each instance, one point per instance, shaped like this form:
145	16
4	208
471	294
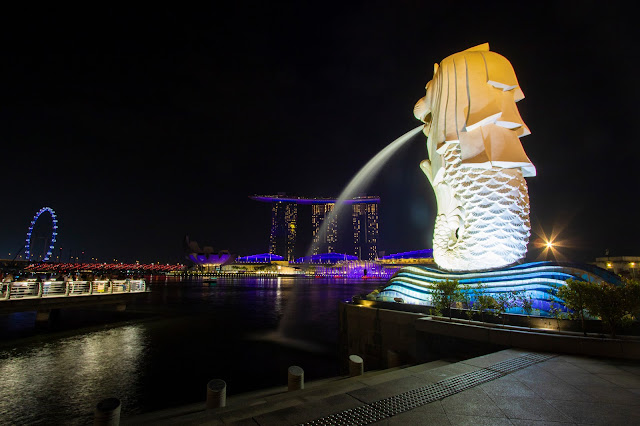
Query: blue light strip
325	258
260	258
416	254
538	280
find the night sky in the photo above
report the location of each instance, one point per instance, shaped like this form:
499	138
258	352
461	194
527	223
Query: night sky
140	125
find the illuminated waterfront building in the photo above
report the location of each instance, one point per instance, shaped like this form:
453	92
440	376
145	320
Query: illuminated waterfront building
365	230
319	213
282	238
626	266
361	239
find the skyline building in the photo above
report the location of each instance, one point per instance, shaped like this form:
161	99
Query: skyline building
282	239
356	234
319	213
365	230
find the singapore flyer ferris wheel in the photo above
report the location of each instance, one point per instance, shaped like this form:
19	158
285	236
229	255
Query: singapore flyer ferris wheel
38	230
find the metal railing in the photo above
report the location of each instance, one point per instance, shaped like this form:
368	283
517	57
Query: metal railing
36	289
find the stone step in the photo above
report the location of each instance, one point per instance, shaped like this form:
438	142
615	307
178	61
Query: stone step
251	404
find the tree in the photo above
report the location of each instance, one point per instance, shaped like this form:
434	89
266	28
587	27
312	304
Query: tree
525	301
483	302
466	297
444	295
616	306
505	301
576	296
555	310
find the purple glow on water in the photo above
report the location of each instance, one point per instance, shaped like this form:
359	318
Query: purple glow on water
357	269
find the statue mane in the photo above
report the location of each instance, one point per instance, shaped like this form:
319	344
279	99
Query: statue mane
475	89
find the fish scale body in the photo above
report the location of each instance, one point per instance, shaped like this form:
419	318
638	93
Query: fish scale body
494	223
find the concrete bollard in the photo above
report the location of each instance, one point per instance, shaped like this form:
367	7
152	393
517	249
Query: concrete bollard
216	394
296	378
393	359
107	412
356	366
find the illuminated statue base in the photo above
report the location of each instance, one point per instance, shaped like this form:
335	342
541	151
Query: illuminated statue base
537	280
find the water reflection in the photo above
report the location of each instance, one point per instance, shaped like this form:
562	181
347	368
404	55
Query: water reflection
183	333
68	377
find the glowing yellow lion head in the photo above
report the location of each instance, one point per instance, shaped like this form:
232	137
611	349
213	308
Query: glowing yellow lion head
471	100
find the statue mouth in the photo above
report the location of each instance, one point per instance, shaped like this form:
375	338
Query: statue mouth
421	111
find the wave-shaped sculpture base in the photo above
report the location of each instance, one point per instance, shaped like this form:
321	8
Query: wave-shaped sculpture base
538	280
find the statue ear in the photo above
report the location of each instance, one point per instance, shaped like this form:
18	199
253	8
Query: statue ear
435	68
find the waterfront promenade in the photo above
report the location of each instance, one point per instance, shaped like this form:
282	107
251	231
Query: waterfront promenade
509	387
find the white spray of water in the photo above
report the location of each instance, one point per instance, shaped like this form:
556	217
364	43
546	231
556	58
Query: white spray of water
357	183
361	180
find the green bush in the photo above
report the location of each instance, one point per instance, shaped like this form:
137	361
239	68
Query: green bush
445	293
505	301
525	302
575	296
483	302
555	310
466	298
616	305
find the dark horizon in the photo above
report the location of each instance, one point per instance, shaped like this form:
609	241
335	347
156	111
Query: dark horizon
139	126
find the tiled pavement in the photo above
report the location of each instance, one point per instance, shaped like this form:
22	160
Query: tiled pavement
560	390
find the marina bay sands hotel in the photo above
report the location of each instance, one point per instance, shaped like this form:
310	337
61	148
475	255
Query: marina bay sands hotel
359	238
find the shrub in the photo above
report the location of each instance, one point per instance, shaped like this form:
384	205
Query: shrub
505	301
466	297
445	294
576	296
525	302
483	302
555	310
616	306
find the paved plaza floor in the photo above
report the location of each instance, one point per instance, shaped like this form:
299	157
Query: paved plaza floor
510	387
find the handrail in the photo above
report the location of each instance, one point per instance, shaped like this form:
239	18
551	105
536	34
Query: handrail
30	289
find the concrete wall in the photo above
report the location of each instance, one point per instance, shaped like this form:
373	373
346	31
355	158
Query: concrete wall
592	326
372	332
538	340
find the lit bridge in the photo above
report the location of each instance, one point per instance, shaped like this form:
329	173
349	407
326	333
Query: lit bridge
69	267
47	296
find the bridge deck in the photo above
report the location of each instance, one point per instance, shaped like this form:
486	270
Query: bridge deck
23	296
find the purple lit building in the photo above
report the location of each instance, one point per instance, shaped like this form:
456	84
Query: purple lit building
260	258
211	259
206	259
359	238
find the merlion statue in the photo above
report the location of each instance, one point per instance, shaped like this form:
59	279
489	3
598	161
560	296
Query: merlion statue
476	162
